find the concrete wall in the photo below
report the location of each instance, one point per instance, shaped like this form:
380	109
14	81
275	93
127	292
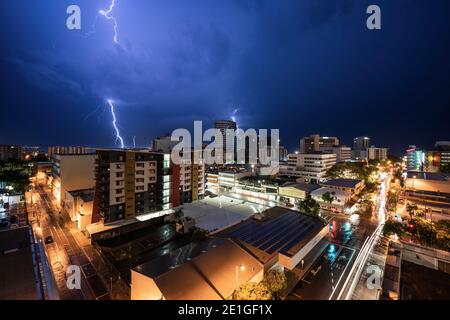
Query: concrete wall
77	172
292	262
427	257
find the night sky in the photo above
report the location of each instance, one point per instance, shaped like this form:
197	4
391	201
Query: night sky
304	67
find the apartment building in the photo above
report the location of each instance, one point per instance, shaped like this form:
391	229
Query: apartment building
130	183
189	177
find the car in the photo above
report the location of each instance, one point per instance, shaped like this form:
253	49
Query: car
4	223
48	240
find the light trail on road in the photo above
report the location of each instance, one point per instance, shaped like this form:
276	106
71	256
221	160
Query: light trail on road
362	257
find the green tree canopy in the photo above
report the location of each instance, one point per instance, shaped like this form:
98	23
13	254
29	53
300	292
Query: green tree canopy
253	291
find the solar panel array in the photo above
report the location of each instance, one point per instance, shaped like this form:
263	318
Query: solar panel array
281	233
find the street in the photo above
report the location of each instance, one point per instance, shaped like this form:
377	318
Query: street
340	271
69	247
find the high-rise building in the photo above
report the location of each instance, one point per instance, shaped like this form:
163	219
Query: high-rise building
10	152
131	183
315	142
361	143
415	158
189	177
223	125
163	144
283	153
374	153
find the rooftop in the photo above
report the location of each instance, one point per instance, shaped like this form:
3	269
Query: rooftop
17	268
428	175
307	187
85	194
342	182
201	270
285	231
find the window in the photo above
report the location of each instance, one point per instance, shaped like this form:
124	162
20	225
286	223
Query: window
140	180
119	174
140	164
140	188
140	172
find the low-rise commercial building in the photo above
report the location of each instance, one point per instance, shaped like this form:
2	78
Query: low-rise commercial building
311	167
208	270
79	204
351	186
429	191
282	240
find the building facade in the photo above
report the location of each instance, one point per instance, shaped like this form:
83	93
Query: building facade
10	152
308	167
315	142
361	143
72	172
130	183
374	153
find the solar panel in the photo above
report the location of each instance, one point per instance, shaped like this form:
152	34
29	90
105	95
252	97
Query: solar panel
284	237
262	229
287	237
296	240
273	228
275	232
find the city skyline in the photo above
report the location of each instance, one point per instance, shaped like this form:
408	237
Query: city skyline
268	65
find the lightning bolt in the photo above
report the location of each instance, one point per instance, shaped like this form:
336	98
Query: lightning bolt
134	141
118	137
107	15
233	116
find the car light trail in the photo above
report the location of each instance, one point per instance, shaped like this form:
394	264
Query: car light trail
107	15
368	245
118	137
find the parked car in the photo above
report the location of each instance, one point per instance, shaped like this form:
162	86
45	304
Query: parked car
48	240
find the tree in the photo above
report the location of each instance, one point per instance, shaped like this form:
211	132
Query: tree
252	291
445	168
308	205
198	234
411	209
393	227
329	197
275	281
